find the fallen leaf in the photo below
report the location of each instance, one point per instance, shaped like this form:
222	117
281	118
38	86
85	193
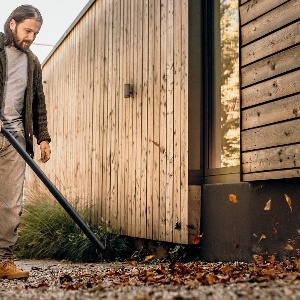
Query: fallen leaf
268	205
296	263
271	258
227	269
71	287
289	247
274	230
210	278
65	278
289	201
133	263
233	198
148	257
262	237
258	259
196	239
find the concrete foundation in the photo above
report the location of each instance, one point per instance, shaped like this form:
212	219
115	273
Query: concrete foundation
237	223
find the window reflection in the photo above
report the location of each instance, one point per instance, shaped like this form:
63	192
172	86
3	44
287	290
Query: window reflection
225	129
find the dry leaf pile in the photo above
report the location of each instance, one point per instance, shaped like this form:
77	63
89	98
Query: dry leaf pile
193	274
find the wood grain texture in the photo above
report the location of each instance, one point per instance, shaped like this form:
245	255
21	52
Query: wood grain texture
126	158
275	42
273	20
272	66
272	89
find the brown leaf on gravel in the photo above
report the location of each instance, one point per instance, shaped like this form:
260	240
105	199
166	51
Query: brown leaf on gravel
148	257
162	270
133	263
271	258
191	274
65	278
258	259
227	269
210	279
71	287
296	263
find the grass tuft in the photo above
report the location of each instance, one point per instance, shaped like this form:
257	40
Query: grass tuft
48	232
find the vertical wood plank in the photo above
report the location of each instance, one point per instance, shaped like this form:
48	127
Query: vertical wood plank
138	114
163	121
121	118
96	132
156	124
150	45
177	121
101	45
127	184
131	162
109	111
144	108
135	117
89	109
105	126
184	124
170	122
114	113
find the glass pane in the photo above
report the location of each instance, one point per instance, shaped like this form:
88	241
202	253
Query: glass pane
226	101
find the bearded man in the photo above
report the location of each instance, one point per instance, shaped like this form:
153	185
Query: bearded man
23	113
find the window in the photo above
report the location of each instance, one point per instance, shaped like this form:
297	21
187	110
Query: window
222	96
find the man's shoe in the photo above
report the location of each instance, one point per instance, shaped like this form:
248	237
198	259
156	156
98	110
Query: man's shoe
9	270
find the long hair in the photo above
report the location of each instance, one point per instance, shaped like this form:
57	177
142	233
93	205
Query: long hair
20	14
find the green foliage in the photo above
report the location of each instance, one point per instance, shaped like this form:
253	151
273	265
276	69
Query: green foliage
48	232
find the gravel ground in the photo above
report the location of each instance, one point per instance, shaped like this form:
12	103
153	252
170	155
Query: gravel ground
62	280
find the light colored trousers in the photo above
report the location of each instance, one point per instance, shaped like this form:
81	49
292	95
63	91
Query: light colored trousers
12	175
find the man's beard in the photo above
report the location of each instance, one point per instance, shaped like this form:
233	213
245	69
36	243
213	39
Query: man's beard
17	43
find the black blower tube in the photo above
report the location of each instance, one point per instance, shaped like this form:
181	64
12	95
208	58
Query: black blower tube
55	192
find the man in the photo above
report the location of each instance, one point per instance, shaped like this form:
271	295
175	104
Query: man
23	113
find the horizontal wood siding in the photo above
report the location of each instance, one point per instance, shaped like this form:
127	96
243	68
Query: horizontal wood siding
124	158
270	89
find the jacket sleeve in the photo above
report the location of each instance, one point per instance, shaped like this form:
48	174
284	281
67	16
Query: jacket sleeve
40	125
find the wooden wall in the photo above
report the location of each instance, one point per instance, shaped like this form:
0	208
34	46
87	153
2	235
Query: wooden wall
270	86
126	158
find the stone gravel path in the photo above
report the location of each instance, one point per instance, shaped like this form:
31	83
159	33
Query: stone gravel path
61	280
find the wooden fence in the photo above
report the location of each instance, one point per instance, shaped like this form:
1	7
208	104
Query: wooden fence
125	158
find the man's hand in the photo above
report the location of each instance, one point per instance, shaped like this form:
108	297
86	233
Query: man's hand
45	151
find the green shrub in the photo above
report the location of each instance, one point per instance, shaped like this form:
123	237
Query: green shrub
48	232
